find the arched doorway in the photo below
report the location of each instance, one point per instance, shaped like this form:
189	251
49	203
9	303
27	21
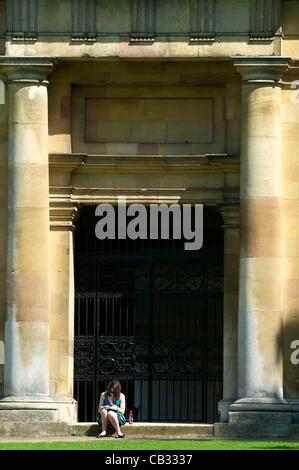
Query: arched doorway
150	314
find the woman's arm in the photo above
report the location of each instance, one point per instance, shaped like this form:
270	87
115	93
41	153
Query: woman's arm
101	403
122	407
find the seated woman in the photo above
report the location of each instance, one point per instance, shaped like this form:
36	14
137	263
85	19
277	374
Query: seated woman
112	408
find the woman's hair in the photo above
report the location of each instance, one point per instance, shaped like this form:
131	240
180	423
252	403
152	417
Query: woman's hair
114	389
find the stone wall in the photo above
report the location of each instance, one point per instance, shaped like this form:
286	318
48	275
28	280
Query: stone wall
151	130
290	27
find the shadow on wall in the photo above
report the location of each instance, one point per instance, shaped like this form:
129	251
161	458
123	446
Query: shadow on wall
290	342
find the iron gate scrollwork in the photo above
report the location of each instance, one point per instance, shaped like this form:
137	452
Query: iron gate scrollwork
115	356
151	316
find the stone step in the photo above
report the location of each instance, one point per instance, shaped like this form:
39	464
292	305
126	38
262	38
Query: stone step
149	430
33	429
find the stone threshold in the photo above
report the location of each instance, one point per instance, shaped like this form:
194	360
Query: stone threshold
42	430
148	430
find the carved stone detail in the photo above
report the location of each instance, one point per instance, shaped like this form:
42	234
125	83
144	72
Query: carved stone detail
264	18
202	20
143	20
63	215
22	19
84	16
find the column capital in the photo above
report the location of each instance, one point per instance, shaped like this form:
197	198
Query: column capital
27	69
261	69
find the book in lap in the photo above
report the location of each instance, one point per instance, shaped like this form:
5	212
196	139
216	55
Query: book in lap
109	407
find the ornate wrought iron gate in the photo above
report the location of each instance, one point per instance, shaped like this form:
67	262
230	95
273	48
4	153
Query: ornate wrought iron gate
150	314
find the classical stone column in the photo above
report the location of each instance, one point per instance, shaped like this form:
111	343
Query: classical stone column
260	375
230	215
26	375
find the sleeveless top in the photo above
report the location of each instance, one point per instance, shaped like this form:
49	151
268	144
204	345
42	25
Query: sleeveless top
107	401
121	417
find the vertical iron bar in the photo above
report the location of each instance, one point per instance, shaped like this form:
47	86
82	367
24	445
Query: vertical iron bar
96	307
112	314
85	401
150	341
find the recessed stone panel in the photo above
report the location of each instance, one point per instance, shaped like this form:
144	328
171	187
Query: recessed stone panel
124	118
146	120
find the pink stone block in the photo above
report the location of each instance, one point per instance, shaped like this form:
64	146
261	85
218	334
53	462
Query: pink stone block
292	289
155	50
147	149
261	226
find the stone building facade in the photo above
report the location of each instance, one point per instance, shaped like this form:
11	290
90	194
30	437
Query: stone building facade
161	101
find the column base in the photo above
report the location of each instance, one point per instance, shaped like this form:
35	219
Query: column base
67	410
37	409
263	411
223	409
256	430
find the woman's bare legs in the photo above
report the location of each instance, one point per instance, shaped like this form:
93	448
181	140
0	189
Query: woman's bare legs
104	421
112	417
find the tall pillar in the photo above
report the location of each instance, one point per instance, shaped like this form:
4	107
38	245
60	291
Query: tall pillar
230	215
26	374
62	295
260	375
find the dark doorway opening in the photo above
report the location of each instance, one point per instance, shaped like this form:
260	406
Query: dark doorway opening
150	314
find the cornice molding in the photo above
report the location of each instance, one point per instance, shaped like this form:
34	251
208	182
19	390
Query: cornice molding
63	215
63	199
146	163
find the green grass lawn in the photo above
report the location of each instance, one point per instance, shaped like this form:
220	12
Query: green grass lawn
151	445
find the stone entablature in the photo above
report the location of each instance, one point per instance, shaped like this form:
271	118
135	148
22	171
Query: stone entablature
81	179
121	28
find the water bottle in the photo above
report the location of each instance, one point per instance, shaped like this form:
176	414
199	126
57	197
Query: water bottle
131	419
